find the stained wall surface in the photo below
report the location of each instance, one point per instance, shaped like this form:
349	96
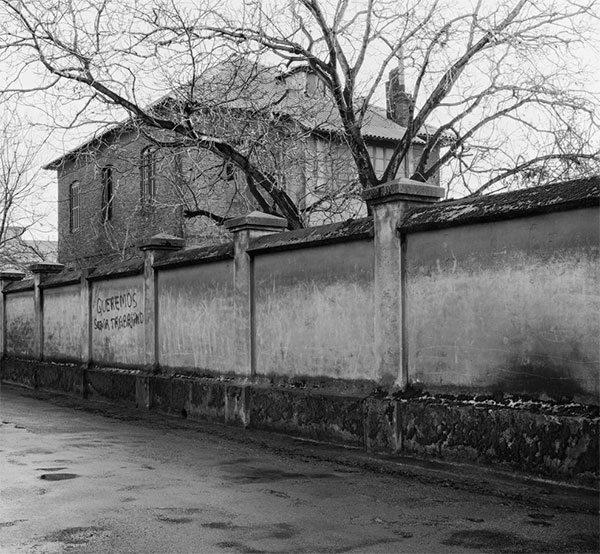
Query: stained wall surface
20	321
509	305
62	323
196	326
118	321
314	311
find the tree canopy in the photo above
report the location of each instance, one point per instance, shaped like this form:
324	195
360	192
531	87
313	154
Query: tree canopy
499	87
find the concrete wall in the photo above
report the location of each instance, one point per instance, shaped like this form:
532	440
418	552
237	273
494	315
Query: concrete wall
314	311
196	317
20	324
509	305
506	303
118	321
318	331
63	323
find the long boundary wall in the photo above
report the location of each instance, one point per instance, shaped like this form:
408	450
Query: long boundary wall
465	330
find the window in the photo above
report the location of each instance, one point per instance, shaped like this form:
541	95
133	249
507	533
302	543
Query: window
378	159
107	194
381	157
74	206
148	173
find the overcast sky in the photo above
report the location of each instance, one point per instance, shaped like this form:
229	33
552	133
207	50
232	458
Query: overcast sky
36	113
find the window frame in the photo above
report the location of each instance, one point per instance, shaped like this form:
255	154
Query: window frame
148	173
74	206
108	193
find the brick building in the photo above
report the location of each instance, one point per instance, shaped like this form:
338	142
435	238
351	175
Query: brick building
122	186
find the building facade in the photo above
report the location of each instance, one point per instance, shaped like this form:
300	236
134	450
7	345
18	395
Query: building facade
122	187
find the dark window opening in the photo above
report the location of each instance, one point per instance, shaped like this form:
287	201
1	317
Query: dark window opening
148	173
74	206
107	194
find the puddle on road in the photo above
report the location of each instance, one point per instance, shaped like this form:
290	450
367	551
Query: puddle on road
177	515
74	536
236	461
266	475
221	525
503	542
11	523
174	520
58	476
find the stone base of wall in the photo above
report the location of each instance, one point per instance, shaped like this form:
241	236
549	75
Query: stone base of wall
61	377
541	440
117	385
560	442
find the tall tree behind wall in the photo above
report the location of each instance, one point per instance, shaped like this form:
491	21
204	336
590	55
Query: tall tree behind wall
499	81
21	205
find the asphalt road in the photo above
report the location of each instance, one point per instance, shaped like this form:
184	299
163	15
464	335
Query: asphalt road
83	478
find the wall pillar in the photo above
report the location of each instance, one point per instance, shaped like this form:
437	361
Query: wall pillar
245	229
85	302
40	272
390	203
154	248
6	277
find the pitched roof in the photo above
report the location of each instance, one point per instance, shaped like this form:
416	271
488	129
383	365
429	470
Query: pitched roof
254	88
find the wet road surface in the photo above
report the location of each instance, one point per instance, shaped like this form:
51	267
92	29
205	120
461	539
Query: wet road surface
84	479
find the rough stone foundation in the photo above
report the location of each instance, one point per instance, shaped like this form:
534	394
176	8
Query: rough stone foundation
550	440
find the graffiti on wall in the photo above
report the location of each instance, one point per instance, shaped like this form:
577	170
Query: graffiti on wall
119	311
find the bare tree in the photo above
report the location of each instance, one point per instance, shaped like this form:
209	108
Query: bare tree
20	206
476	67
494	85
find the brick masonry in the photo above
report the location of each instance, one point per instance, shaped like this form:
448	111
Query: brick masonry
134	220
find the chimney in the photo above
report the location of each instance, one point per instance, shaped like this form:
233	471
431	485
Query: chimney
398	101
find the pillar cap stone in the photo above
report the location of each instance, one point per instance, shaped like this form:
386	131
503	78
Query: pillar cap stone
162	241
403	189
11	275
256	221
46	267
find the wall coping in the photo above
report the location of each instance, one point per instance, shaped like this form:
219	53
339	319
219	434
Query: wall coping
46	267
162	241
19	286
345	231
11	275
403	189
256	221
568	195
197	255
117	269
62	279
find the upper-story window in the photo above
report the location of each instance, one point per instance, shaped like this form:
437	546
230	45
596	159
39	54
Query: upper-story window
74	206
381	157
107	194
148	173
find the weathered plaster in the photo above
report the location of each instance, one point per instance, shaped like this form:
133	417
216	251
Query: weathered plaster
196	317
62	323
509	306
314	312
118	321
20	324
